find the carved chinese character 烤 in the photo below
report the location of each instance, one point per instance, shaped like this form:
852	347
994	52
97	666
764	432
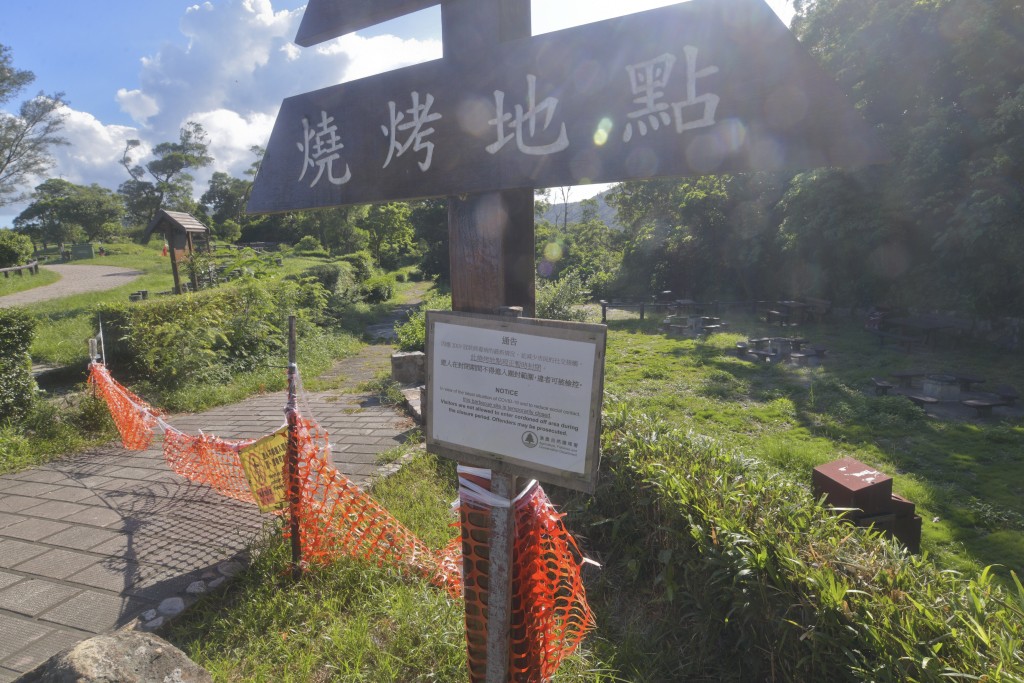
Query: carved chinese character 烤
414	129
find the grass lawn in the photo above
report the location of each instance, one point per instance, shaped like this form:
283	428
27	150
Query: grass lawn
965	474
360	623
15	283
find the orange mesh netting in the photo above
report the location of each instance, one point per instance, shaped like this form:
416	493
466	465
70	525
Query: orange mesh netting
337	518
135	419
550	614
209	460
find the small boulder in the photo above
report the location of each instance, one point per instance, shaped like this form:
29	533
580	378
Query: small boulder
121	657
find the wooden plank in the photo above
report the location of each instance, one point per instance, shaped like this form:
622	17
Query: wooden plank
567	103
327	19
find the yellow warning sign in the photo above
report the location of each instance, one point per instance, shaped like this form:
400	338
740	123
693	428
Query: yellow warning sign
264	465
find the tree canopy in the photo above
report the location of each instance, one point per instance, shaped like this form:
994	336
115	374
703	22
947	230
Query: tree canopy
25	137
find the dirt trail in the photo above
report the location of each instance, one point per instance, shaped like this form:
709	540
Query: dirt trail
73	280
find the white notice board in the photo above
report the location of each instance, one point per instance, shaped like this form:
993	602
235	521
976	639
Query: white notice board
517	395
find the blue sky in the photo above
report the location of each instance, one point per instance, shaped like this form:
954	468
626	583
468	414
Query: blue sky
142	68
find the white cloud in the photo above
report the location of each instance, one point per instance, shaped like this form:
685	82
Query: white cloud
230	76
369	56
137	104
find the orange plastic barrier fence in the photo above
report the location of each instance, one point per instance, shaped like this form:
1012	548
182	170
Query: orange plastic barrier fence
338	519
550	614
135	419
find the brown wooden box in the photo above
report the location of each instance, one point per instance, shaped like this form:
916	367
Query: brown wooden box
849	483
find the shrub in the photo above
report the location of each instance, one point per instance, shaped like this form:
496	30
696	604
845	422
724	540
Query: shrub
17	387
15	249
327	274
378	288
412	334
362	265
561	299
755	580
310	246
205	337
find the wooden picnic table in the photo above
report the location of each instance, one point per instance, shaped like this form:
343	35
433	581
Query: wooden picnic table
967	380
928	326
797	343
906	377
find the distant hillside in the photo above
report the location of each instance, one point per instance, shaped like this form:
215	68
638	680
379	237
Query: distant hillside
556	213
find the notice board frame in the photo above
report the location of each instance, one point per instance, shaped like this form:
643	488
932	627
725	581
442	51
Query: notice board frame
534	331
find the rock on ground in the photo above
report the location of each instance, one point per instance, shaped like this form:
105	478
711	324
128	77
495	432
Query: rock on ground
121	657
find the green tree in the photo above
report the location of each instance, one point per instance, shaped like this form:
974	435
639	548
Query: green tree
225	198
59	210
27	137
390	232
164	182
429	218
15	249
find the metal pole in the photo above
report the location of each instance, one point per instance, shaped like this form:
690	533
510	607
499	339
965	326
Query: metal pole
292	455
499	590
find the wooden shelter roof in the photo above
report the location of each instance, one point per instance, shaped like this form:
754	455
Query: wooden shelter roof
174	221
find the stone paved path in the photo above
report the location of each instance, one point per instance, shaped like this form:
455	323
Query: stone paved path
73	280
91	542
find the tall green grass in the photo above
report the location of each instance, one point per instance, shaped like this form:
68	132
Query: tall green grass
721	567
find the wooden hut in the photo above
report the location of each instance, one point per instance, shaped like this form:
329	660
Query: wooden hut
182	232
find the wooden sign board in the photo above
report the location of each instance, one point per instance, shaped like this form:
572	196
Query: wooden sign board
704	87
519	396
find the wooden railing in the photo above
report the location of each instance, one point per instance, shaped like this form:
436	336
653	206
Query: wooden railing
32	268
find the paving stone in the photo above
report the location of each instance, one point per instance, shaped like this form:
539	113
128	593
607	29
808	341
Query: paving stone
95	516
9	503
34	596
7	519
73	494
113	574
42	476
96	612
33	529
81	537
17	633
57	564
8	579
38	651
8	675
29	488
15	552
56	509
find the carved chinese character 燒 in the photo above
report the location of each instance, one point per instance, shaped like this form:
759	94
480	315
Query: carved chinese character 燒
321	147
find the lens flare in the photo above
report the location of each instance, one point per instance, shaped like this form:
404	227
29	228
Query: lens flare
603	132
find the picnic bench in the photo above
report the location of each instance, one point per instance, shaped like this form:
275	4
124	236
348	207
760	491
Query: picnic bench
983	406
906	377
817	309
1006	393
882	387
967	380
922	401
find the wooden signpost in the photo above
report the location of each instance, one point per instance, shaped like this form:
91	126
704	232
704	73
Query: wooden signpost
704	87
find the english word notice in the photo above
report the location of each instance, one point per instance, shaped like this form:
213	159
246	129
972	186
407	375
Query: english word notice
525	393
